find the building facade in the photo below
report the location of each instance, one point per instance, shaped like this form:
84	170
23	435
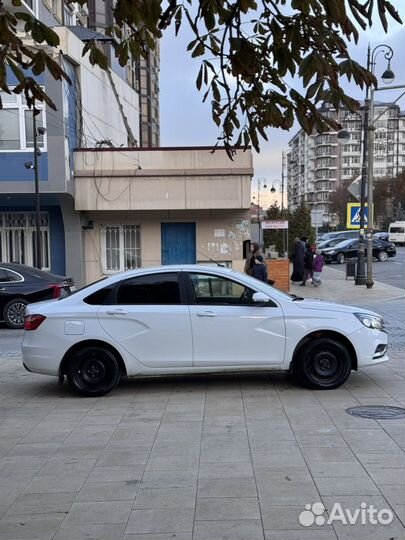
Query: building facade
82	119
317	164
147	207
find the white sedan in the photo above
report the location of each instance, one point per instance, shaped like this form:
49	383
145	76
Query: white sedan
195	319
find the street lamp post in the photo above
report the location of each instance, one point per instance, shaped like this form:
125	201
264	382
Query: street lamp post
344	136
259	217
29	165
388	77
273	190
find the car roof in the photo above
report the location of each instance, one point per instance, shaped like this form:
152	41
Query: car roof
29	271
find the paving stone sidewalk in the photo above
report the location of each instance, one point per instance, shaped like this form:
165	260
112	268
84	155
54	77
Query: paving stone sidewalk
204	458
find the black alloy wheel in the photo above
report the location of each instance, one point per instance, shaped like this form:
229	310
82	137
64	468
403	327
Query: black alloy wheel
382	256
93	371
14	313
324	364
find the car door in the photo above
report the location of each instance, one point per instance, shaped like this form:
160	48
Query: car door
229	329
10	286
351	250
147	317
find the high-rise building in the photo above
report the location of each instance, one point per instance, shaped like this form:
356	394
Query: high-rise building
317	164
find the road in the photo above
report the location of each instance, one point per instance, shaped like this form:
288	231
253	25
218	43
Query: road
390	272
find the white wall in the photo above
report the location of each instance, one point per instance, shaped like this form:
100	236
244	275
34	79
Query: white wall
101	115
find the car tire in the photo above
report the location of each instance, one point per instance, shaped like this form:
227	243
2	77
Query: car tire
93	371
382	256
14	312
340	258
323	364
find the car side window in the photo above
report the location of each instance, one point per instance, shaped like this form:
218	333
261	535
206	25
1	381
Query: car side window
7	276
215	290
155	289
100	297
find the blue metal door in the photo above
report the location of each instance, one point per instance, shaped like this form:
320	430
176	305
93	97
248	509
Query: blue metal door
178	243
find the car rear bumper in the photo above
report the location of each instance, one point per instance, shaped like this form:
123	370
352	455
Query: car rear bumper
40	360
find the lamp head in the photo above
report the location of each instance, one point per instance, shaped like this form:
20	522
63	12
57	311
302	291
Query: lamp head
41	131
388	76
28	165
273	189
343	136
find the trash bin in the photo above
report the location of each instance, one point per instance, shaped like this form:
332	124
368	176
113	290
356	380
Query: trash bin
350	268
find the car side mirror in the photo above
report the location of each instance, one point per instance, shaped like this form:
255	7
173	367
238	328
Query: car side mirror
260	298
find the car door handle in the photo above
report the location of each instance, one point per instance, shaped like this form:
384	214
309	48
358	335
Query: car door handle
206	314
117	311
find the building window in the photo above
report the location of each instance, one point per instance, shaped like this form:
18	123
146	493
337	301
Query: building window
18	238
121	247
16	124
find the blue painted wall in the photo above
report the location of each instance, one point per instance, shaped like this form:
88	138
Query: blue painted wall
12	167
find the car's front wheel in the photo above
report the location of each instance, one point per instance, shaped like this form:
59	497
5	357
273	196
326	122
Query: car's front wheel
323	364
14	313
93	371
340	258
382	256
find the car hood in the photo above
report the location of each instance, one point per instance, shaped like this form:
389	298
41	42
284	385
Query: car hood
321	305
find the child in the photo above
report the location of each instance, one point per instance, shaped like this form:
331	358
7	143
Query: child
319	261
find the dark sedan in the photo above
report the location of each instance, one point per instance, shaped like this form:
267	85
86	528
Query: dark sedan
348	250
21	285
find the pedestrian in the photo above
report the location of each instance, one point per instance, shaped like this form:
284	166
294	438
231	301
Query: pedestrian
260	268
319	261
308	264
298	260
250	259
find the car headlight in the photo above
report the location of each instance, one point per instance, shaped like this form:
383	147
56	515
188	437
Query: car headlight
331	252
371	321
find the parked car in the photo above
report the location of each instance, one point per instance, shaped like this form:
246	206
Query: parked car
329	243
338	234
195	319
347	249
381	235
20	285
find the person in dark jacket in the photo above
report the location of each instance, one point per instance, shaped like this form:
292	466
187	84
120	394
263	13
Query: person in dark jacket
308	264
260	268
250	259
298	260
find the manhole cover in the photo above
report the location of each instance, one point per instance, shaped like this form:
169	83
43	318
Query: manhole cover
377	412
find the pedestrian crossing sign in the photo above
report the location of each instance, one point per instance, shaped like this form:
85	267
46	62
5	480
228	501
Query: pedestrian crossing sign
353	216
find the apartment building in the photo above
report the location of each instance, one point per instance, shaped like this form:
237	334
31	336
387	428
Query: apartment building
318	164
82	119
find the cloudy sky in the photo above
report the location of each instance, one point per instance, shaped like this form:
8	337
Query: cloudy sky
185	121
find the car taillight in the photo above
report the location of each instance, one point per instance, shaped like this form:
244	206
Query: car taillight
31	322
57	290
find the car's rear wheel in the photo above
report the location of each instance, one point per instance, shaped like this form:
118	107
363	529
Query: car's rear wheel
382	256
340	258
93	371
14	313
323	364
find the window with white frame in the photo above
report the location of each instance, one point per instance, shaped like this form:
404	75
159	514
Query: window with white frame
18	238
121	247
16	124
